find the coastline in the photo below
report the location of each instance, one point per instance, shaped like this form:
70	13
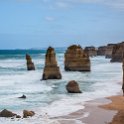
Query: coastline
109	110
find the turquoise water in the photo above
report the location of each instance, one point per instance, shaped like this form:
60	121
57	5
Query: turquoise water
51	96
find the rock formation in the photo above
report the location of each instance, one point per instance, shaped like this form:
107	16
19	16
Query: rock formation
76	59
117	53
28	113
6	113
101	51
22	97
51	70
30	64
123	75
109	49
73	87
91	51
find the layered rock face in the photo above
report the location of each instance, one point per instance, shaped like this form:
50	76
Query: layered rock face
30	64
109	50
117	53
51	70
73	87
123	76
76	59
101	51
91	51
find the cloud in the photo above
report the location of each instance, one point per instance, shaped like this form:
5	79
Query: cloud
49	18
118	4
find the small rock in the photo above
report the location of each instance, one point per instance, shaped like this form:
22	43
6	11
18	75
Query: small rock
6	113
28	113
73	87
22	97
18	116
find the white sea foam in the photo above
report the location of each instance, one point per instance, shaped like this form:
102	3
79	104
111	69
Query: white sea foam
51	96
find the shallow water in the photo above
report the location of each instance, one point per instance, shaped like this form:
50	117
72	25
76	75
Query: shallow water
51	96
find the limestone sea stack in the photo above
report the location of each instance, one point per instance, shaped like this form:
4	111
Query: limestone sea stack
101	51
30	64
51	69
109	49
73	87
117	53
91	51
76	59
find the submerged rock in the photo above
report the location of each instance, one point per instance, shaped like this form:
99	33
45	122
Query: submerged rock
22	97
117	53
51	69
73	87
76	59
6	113
91	51
30	64
27	113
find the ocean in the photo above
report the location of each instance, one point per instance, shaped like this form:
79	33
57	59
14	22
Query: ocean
50	96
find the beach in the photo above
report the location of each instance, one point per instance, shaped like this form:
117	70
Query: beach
50	96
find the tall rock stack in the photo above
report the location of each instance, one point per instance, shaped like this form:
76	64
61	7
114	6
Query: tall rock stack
109	49
91	51
30	64
117	53
76	59
51	70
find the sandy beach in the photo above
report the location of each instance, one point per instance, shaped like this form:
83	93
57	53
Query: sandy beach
102	111
118	105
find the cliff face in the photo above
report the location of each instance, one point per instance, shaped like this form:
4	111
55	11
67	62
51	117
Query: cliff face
109	50
101	50
51	70
76	59
117	53
91	51
30	64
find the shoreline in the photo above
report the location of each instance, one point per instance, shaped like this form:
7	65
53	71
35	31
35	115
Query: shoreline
108	110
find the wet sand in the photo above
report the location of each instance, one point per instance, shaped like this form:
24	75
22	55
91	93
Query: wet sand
92	114
116	104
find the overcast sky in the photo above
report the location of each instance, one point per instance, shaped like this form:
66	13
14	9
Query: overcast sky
41	23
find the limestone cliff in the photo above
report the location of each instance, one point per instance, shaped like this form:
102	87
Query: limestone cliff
101	51
91	51
117	53
109	49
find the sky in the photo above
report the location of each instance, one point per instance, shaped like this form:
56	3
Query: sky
60	23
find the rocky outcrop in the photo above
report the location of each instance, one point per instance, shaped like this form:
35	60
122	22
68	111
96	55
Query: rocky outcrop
22	97
76	59
27	114
109	49
123	76
91	51
51	70
117	53
6	113
101	51
73	87
30	64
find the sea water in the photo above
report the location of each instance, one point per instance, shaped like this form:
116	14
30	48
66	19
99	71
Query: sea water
50	96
